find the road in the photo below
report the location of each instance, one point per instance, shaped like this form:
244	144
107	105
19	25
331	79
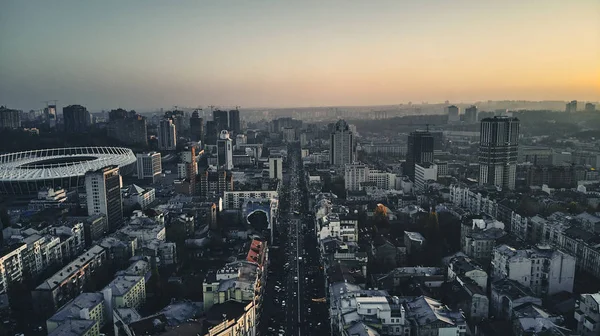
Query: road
295	279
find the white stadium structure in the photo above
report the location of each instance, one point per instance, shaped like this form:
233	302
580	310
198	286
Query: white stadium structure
24	173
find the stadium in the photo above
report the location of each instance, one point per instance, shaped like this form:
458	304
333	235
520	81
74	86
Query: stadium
25	173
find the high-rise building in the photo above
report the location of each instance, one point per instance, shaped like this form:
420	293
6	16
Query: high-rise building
222	119
224	151
234	122
424	172
453	114
355	175
419	149
149	166
103	191
276	167
589	107
571	107
77	118
167	135
50	115
188	168
197	127
342	146
471	114
9	118
128	127
498	151
212	133
214	183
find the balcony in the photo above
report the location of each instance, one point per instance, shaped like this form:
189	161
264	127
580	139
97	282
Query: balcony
578	315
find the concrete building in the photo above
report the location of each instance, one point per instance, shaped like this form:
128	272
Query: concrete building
355	174
77	327
341	226
471	114
507	295
571	107
77	119
86	306
167	135
479	236
465	267
589	107
235	199
544	270
103	191
342	147
221	120
234	122
135	194
95	227
125	291
414	242
419	149
197	127
289	134
215	182
498	152
187	170
149	166
453	113
224	151
276	167
424	172
11	266
69	282
128	127
587	314
10	118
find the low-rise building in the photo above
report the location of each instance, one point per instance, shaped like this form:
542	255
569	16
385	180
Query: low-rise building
465	267
87	306
479	236
135	194
587	314
508	294
126	291
77	327
544	270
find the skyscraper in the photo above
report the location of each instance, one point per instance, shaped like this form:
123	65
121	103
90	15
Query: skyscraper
188	168
471	114
419	150
103	191
234	122
212	133
167	135
498	151
453	114
9	118
77	118
589	107
224	151
342	146
222	119
197	127
128	127
50	115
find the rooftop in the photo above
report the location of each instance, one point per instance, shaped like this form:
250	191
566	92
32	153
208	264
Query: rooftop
122	284
72	309
71	269
73	327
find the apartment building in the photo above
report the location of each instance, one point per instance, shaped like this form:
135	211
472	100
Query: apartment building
341	226
587	314
126	291
86	306
544	270
69	282
11	266
235	199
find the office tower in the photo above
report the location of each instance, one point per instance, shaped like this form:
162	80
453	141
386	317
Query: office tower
167	135
498	151
571	107
419	150
197	127
103	191
9	118
589	107
212	134
149	166
471	114
224	151
342	146
128	127
453	114
222	119
234	122
50	115
276	167
77	118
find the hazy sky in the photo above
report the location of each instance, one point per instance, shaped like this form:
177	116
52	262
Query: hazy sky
137	54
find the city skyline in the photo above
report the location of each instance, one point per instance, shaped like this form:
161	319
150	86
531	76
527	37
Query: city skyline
272	54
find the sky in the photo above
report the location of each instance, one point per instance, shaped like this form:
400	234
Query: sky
147	54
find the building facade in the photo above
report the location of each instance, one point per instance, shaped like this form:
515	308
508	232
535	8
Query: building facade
342	146
10	118
224	151
498	152
77	118
103	190
276	167
419	149
149	166
167	135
